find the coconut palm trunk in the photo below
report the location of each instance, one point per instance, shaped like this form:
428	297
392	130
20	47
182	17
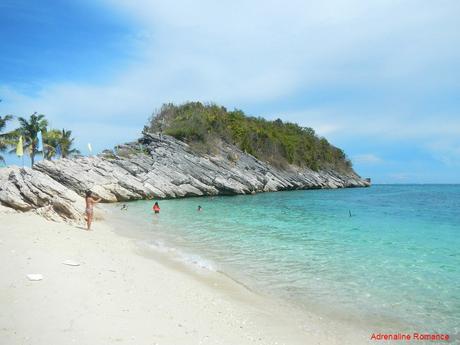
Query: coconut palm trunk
32	154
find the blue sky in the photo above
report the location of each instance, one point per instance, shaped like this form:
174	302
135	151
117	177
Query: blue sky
379	79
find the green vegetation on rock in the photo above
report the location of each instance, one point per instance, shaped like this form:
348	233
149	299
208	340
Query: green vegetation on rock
277	142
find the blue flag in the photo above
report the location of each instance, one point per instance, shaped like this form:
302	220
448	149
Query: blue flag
58	150
39	141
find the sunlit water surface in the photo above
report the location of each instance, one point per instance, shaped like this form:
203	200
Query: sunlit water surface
395	259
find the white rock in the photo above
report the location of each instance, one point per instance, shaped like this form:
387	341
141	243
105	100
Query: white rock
71	263
34	276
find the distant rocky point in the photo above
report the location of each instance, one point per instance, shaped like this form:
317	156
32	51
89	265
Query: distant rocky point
156	166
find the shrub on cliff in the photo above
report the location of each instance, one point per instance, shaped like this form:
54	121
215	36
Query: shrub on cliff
277	142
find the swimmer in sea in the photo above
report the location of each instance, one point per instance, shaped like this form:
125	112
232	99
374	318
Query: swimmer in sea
156	208
199	208
90	201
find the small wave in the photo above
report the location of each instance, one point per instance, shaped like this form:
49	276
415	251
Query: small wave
160	246
198	261
193	260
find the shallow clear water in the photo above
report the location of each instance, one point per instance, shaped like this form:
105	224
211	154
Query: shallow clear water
395	260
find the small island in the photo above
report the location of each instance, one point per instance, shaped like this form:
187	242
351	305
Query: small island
185	151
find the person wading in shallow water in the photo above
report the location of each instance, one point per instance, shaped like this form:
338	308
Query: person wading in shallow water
156	208
90	201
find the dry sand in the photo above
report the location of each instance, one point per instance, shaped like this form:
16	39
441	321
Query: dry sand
120	295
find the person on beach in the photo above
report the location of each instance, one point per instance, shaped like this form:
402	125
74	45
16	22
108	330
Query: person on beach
90	201
156	208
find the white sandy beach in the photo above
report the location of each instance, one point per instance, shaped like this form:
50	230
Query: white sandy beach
119	295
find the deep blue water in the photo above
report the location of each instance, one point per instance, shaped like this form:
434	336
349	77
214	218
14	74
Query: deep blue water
394	261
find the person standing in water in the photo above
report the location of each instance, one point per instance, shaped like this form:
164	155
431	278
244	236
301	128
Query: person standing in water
90	201
199	208
156	208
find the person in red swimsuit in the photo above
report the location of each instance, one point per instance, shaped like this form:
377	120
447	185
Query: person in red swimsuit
156	208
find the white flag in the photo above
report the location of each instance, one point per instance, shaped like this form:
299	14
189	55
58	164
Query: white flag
39	146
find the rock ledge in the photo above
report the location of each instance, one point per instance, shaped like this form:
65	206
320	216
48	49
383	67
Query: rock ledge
152	167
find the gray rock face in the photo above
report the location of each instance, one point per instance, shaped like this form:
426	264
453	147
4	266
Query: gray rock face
167	168
154	167
25	189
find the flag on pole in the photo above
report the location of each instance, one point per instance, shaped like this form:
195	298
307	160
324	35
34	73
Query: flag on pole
90	148
20	148
39	141
58	150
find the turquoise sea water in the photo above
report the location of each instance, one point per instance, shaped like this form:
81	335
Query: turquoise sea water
395	262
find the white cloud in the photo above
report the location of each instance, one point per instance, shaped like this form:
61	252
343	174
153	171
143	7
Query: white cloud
350	121
241	53
400	177
446	151
367	158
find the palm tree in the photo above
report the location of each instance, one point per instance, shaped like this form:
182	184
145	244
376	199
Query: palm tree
4	142
29	130
56	140
51	142
67	143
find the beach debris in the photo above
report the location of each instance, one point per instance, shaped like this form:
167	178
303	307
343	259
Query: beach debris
71	263
34	276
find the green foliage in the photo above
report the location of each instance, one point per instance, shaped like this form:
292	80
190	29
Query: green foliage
29	129
276	142
54	141
58	142
4	140
66	143
128	151
51	141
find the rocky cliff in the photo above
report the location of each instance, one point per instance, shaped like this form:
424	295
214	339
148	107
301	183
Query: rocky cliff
25	189
153	167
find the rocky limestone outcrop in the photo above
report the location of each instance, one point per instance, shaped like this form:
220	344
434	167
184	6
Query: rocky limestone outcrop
25	189
154	167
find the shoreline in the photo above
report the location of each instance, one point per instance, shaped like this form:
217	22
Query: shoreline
193	263
335	325
120	295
